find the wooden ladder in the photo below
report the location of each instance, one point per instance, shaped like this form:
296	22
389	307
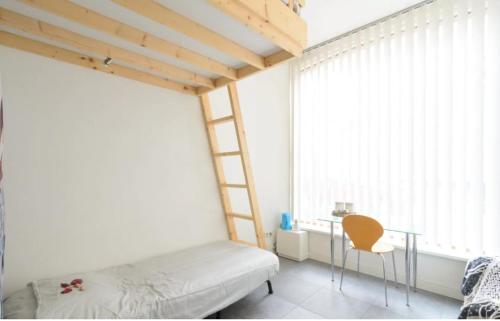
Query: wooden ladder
242	152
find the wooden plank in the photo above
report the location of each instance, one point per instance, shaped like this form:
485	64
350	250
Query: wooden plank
276	14
231	185
175	21
279	16
270	18
245	71
48	31
241	216
224	154
40	48
274	59
270	61
94	20
221	120
218	168
245	161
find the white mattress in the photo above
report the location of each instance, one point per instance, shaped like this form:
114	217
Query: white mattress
192	283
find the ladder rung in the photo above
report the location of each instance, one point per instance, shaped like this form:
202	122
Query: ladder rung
246	243
235	153
220	120
242	216
234	185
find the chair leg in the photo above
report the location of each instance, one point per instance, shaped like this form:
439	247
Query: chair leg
343	269
385	279
359	252
395	273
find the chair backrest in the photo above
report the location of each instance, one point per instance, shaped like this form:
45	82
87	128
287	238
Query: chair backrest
363	231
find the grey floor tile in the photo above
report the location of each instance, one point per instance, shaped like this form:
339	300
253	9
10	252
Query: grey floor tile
375	312
450	313
304	290
293	288
315	272
301	313
335	305
365	288
287	265
424	305
272	307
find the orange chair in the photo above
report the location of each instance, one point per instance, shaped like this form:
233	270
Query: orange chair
364	232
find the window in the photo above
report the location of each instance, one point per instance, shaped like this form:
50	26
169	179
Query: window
402	118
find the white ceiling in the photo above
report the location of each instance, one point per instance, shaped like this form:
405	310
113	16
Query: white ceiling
329	18
325	19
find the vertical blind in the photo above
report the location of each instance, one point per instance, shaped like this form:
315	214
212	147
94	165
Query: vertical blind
402	118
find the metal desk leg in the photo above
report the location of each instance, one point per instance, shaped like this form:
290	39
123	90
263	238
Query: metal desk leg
414	262
407	268
332	249
343	247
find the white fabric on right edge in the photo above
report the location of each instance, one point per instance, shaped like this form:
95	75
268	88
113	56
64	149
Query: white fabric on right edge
481	289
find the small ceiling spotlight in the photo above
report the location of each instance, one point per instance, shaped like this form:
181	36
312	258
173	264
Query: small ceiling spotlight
107	61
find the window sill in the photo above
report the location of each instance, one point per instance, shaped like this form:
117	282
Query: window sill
326	231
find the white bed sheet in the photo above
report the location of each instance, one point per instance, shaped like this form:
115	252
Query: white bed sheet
20	305
191	283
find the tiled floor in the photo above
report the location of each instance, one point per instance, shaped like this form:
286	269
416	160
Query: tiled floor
304	291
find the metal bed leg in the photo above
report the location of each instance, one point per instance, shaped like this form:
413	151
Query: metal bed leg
270	287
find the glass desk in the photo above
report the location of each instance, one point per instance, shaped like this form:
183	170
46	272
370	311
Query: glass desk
410	250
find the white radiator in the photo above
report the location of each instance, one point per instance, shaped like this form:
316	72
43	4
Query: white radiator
292	244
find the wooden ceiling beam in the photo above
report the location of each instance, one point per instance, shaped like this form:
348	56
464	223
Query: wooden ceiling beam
40	48
42	29
271	19
247	70
177	22
94	20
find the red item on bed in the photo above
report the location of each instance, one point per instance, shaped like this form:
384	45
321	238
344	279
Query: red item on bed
66	290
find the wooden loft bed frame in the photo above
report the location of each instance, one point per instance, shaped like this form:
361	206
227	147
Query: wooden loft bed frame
273	19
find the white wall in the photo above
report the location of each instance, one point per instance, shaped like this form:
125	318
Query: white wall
99	170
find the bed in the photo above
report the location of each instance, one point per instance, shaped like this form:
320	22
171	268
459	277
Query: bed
192	283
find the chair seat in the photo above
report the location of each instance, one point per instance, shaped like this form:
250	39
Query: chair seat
379	247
